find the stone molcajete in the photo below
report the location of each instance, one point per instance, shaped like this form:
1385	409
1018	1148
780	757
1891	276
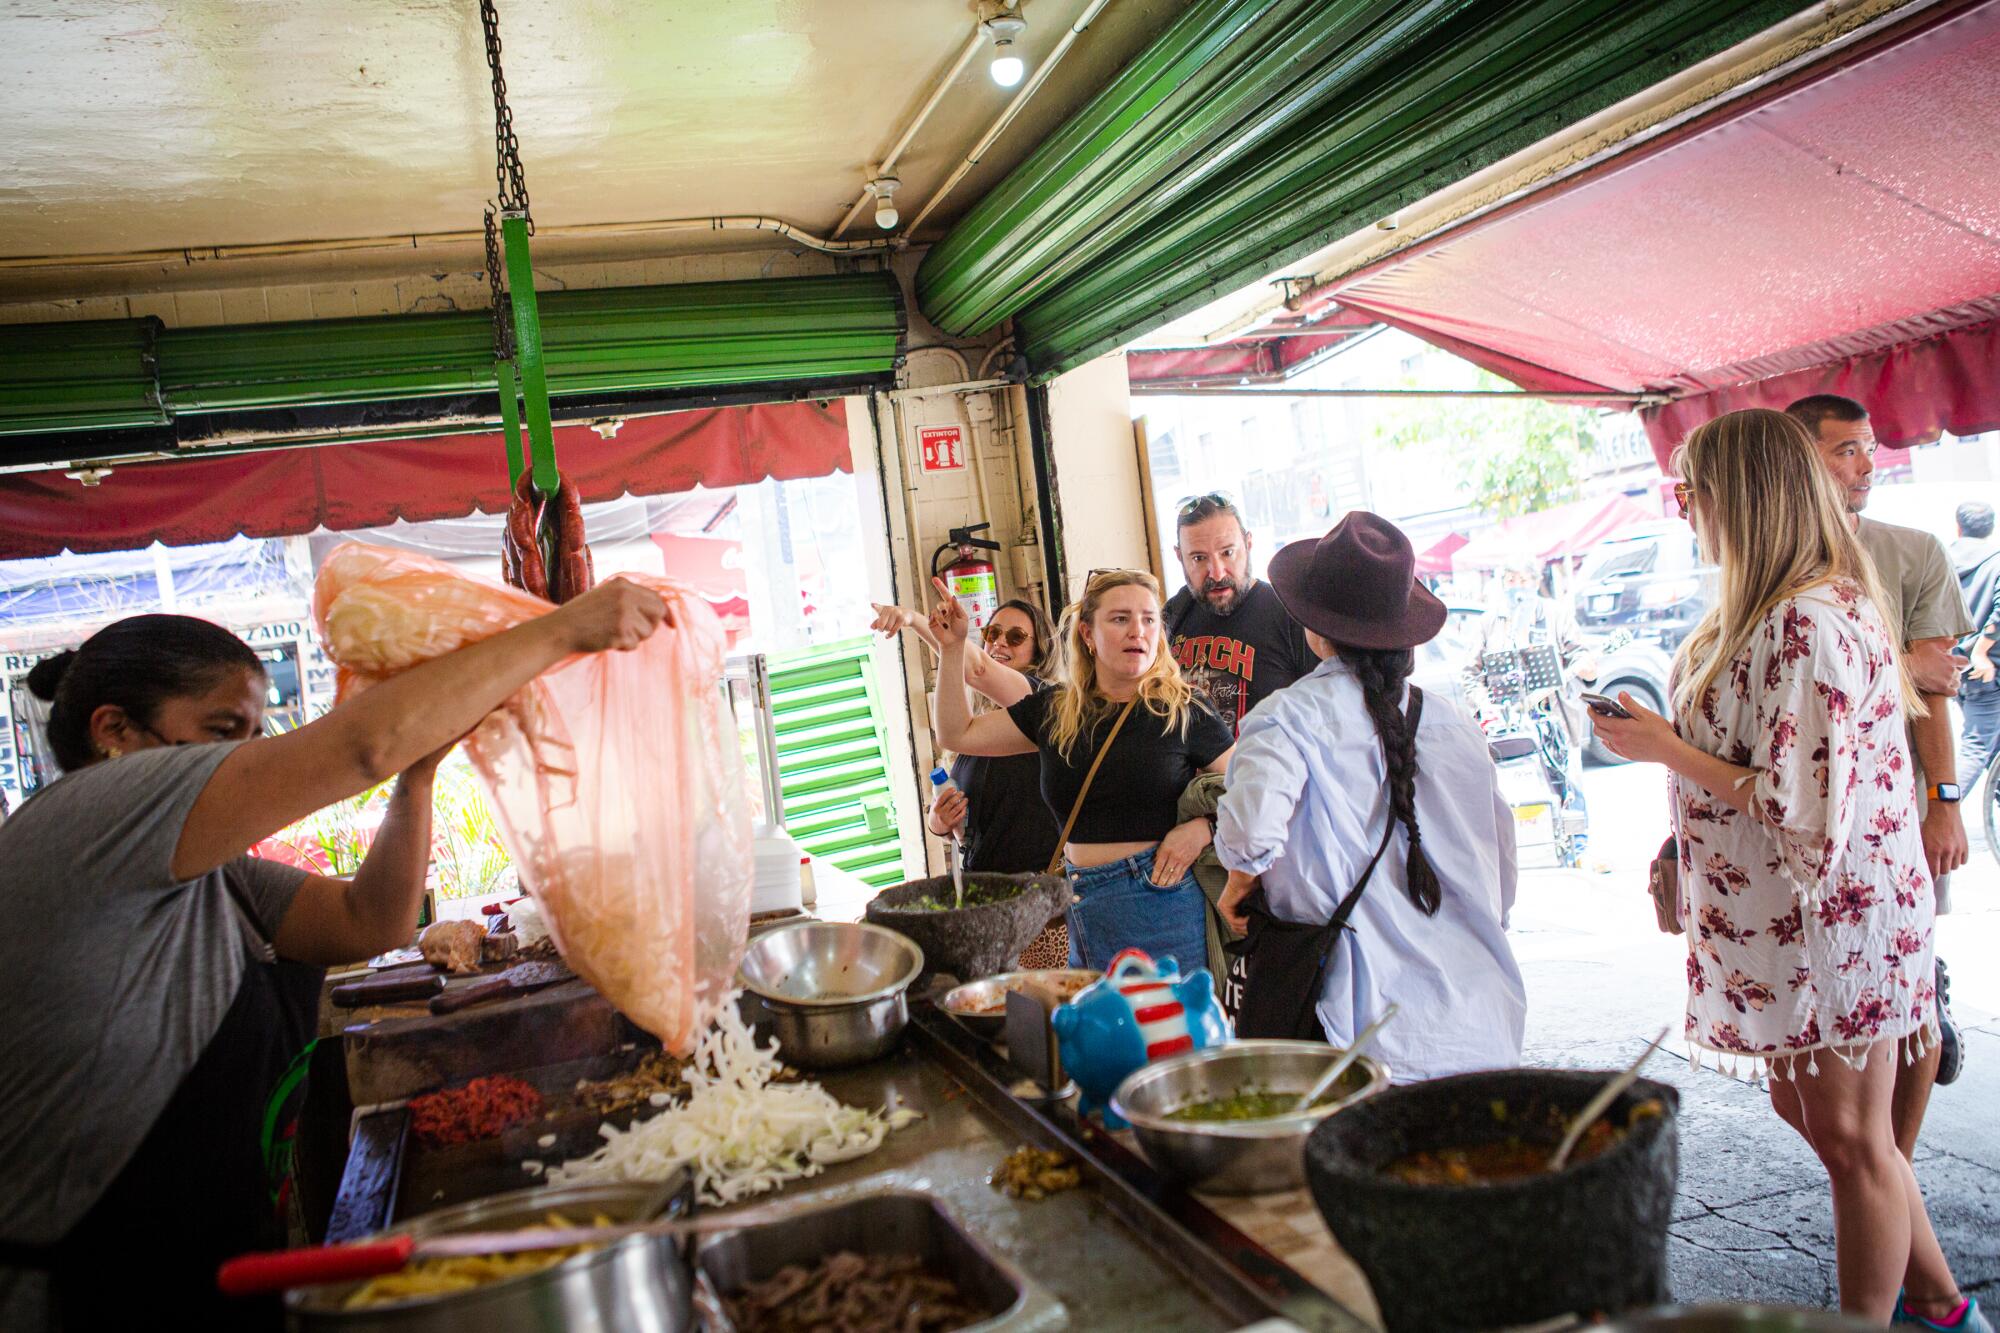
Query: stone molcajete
1588	1240
1002	916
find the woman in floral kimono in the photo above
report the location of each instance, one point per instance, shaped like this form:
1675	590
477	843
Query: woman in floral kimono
1805	892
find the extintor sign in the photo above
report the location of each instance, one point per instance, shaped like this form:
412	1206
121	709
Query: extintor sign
943	448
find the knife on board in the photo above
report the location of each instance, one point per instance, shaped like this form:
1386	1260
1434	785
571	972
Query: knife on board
516	980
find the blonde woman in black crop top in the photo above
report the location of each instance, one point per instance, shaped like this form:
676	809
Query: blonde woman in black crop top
1128	856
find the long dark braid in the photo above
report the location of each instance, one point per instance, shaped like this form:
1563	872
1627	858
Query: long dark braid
1382	672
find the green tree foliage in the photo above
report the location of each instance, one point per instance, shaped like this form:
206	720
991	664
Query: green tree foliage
1512	455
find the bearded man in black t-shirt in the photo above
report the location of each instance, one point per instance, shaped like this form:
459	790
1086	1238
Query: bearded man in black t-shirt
1231	635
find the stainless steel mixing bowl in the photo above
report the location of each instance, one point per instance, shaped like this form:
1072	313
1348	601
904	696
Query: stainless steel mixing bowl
833	992
974	1003
1237	1156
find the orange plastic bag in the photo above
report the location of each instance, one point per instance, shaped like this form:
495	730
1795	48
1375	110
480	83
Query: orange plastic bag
616	778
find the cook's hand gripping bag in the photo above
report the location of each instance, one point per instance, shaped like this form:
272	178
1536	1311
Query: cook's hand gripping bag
615	777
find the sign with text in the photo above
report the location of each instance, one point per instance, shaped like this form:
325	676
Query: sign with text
944	448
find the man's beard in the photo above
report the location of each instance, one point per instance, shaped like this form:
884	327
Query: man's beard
1229	607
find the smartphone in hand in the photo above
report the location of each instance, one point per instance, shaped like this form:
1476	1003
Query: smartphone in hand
1600	703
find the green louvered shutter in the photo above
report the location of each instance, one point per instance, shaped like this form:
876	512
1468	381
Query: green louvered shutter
833	760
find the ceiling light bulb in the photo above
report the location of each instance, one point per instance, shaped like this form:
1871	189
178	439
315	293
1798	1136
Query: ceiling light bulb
1005	28
884	189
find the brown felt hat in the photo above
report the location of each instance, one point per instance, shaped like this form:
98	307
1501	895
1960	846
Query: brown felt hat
1358	586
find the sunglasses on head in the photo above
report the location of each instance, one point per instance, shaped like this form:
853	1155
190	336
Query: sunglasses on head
1013	635
1087	578
1194	504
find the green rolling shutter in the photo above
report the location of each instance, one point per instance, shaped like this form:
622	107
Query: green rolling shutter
89	375
630	339
1254	132
833	760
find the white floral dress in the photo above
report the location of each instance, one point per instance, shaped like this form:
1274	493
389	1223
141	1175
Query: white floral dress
1809	927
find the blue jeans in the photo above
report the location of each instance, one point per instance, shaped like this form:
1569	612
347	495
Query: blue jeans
1979	701
1118	907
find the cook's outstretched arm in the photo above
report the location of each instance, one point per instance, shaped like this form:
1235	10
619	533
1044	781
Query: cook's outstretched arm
269	783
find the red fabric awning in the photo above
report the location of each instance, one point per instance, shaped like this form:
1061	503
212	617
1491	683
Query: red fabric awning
1913	392
1436	558
341	487
1565	530
1249	360
1837	227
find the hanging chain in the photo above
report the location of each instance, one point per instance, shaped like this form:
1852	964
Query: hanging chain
503	322
507	171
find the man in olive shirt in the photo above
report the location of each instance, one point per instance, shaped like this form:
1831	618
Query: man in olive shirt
1927	613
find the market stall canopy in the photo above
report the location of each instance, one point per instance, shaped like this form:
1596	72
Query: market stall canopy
1436	558
1253	132
1837	231
1268	356
104	587
286	492
1550	534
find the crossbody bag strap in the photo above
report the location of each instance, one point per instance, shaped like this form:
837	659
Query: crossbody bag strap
1338	922
1056	861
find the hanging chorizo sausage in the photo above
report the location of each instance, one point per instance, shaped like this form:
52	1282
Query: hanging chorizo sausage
573	574
524	525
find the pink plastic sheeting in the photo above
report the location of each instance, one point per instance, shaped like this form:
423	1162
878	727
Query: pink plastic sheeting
1847	213
616	778
1540	537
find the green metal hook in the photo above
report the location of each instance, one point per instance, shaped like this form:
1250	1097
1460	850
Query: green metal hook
528	352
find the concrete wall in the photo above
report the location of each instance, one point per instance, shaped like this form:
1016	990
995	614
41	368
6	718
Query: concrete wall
1099	479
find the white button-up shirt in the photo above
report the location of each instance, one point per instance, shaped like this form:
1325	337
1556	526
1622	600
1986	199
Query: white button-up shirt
1308	794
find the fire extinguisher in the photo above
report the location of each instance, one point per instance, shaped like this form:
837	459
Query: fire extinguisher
971	577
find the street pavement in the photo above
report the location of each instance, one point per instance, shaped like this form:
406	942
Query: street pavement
1754	1220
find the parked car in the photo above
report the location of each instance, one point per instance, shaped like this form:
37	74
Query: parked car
1639	667
1649	579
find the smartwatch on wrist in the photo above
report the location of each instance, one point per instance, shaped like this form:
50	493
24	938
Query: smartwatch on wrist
1943	791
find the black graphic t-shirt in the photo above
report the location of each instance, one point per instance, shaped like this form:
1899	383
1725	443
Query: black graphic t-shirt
1240	659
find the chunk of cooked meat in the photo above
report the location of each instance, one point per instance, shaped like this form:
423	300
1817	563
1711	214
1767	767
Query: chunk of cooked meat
454	946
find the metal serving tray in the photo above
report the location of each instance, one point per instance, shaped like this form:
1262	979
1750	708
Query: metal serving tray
893	1222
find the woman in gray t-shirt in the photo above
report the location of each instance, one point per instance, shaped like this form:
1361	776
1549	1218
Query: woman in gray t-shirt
143	971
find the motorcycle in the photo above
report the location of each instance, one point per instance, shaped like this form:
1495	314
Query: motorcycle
1531	743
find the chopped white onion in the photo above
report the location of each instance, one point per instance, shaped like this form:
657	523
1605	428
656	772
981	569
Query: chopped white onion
740	1132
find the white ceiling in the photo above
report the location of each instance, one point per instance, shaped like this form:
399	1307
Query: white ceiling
140	125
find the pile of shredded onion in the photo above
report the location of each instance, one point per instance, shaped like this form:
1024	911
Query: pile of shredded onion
739	1131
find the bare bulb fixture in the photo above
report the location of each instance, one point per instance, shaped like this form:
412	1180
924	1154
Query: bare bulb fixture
884	189
1005	28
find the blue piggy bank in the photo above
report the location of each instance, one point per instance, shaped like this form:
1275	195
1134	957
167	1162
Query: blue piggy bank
1140	1012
